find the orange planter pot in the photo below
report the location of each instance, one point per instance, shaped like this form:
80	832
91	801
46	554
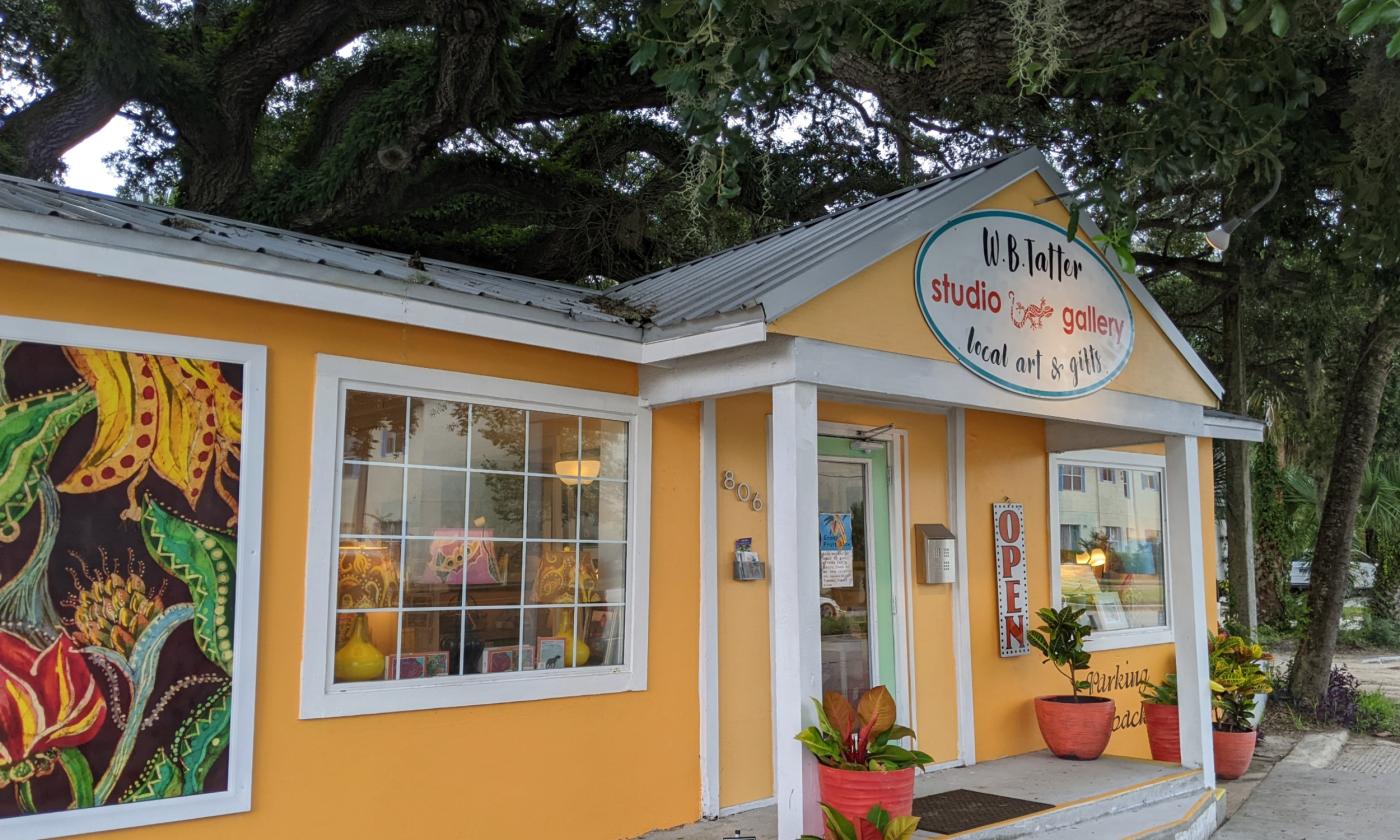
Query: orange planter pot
1163	731
1233	752
853	792
1076	731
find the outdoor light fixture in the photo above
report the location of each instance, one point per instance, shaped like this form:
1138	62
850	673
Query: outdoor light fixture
571	472
865	442
1219	239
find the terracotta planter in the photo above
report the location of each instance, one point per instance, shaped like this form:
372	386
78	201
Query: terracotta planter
1233	752
1163	731
853	792
1076	731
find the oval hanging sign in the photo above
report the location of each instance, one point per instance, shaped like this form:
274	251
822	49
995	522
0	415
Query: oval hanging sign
1021	306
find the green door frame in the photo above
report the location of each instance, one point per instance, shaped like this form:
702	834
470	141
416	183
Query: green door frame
882	615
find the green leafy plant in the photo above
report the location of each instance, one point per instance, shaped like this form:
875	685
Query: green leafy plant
860	737
1376	713
890	828
1061	640
1163	693
1236	675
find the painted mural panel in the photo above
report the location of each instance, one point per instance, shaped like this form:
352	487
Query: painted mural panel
119	475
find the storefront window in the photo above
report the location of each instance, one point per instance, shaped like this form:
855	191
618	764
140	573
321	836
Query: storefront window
1109	551
476	539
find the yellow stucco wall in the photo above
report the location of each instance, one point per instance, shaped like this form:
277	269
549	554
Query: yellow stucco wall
876	308
1007	459
558	768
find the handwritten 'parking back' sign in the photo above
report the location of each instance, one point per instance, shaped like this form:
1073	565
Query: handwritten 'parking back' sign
1013	605
1021	306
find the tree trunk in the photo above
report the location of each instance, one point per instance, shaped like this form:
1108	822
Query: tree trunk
1239	493
1312	665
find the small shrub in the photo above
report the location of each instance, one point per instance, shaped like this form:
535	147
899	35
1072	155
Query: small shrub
1376	712
1339	704
1373	633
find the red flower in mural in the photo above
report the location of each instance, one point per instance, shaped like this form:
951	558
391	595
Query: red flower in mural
48	700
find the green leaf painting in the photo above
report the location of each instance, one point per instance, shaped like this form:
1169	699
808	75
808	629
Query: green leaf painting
180	770
30	431
203	559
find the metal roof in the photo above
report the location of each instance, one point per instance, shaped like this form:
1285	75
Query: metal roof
62	202
745	276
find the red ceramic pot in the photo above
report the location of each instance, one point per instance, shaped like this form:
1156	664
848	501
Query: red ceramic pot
1163	731
853	792
1075	730
1233	752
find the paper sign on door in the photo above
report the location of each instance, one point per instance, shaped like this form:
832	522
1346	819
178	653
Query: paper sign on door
837	553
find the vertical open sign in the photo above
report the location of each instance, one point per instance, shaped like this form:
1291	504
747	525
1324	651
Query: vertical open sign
1013	608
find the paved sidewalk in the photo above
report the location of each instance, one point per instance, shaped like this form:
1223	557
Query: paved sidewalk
1355	793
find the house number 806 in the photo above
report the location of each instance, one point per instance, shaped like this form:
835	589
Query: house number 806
742	491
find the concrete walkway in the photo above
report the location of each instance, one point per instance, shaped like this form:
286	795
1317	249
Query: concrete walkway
1328	788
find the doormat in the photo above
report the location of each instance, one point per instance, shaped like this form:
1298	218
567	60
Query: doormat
960	810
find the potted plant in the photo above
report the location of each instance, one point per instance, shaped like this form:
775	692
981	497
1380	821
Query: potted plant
1163	719
889	828
1237	675
861	766
1075	726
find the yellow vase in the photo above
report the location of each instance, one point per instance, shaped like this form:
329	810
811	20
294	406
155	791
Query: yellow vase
579	649
358	659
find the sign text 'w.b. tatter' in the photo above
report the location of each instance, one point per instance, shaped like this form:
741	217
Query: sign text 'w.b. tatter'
1013	610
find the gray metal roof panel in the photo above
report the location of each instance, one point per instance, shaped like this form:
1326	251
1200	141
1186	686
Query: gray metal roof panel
46	199
739	277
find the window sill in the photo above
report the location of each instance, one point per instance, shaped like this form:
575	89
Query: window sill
1137	637
445	693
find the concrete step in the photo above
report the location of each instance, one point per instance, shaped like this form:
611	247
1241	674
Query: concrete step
1192	816
1075	816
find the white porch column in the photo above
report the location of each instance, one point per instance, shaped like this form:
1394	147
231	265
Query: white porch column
795	588
1186	561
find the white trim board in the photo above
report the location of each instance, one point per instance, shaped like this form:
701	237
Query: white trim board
320	695
130	255
861	374
238	796
962	603
709	616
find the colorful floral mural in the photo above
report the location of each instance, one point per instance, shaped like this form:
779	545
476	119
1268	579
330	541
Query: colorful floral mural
118	560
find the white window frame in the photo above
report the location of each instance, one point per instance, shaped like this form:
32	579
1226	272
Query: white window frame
321	696
1110	459
238	796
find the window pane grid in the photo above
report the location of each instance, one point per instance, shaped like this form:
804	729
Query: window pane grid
600	479
576	445
1111	553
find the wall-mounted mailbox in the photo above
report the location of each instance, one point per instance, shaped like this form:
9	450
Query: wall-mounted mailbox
937	554
747	566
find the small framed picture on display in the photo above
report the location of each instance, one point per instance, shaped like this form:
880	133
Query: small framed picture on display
497	660
1109	613
549	652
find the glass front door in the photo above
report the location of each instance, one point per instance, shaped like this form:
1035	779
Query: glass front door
857	620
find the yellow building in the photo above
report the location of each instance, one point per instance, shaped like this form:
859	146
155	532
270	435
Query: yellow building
326	540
